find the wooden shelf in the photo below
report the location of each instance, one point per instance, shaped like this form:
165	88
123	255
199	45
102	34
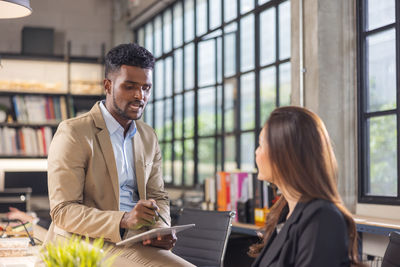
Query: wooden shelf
21	157
32	125
12	93
15	164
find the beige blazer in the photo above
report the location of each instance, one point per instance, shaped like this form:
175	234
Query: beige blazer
83	179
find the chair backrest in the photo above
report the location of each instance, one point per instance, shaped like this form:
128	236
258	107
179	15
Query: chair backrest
205	244
392	253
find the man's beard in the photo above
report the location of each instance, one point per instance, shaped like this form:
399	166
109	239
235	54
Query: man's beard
123	113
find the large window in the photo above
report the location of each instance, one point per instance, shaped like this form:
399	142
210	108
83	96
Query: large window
221	67
379	58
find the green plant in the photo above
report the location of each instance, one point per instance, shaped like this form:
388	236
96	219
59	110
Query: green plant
77	253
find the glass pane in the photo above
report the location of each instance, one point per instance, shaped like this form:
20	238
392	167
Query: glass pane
189	162
189	20
178	116
284	30
206	114
168	76
230	10
189	114
178	26
159	79
246	5
380	13
168	119
230	54
383	156
167	160
247	151
178	61
284	84
248	101
247	43
267	37
157	36
178	150
219	154
149	37
167	30
219	109
219	60
229	102
230	152
206	157
267	93
141	37
206	62
201	17
260	2
148	115
381	71
215	13
189	66
159	119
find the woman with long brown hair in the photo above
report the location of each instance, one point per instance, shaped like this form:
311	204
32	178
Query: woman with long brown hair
308	225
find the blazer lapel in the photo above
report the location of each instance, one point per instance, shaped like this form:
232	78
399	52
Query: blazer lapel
277	244
139	163
106	147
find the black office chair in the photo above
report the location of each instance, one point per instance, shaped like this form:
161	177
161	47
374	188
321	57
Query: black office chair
205	244
392	253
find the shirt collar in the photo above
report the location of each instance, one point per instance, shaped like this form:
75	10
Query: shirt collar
113	125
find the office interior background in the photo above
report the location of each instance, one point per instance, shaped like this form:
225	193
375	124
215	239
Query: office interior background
221	67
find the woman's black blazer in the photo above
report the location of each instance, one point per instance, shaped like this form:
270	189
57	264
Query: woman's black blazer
314	235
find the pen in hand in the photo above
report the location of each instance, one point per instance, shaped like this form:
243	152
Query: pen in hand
158	214
162	218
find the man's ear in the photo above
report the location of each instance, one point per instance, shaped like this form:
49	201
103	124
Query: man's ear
107	85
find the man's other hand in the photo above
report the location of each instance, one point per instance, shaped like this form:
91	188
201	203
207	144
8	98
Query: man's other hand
165	242
143	214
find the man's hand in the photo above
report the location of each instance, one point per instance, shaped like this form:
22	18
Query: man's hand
165	242
143	214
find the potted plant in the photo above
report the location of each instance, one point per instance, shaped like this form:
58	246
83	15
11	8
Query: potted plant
77	253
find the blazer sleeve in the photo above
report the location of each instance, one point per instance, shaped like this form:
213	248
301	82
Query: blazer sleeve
67	161
323	241
155	188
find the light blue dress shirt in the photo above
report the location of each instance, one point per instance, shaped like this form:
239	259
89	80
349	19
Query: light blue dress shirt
124	159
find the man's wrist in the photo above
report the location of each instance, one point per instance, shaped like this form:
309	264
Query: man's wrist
122	223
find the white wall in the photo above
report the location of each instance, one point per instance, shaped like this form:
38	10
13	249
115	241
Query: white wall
86	23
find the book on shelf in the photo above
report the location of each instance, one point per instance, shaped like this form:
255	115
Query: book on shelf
243	193
209	193
39	109
25	141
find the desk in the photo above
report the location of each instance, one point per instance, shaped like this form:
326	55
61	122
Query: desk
245	228
26	261
364	224
378	226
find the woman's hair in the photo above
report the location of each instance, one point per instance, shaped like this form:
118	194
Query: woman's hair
302	160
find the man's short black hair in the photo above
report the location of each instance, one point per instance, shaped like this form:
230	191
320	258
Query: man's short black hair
128	54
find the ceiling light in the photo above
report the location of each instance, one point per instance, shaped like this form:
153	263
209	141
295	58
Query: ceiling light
14	9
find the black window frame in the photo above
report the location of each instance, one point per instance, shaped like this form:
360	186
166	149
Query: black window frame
362	100
219	137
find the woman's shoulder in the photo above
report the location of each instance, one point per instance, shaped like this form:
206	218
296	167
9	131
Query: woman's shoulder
323	210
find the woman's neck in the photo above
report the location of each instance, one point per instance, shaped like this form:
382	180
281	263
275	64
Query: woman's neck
291	199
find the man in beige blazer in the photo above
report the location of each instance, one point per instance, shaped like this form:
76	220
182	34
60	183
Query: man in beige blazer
84	166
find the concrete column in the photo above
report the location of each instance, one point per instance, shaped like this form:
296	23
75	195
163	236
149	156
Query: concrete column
329	48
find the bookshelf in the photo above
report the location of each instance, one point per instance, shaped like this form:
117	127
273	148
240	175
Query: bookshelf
37	93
